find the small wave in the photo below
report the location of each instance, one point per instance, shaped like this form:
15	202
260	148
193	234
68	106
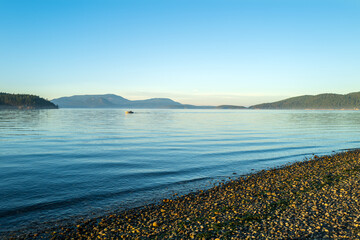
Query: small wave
90	197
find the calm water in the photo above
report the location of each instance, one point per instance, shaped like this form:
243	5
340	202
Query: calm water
55	164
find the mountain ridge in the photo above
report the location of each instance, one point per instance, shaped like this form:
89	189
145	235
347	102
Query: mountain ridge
115	101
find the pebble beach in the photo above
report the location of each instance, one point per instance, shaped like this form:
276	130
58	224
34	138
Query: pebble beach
317	198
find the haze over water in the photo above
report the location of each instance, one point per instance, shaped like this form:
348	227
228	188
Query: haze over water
55	164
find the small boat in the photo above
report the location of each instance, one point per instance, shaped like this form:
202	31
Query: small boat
129	112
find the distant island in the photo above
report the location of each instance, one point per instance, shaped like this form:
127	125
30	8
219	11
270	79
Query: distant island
321	101
230	107
115	101
24	101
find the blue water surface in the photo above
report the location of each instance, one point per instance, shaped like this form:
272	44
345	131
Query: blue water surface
64	163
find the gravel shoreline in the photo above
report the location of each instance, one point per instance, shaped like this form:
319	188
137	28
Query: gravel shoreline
314	199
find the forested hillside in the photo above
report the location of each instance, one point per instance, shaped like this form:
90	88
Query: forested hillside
24	101
321	101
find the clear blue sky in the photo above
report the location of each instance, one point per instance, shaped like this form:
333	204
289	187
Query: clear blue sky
239	52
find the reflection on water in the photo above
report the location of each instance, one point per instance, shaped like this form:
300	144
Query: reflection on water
55	164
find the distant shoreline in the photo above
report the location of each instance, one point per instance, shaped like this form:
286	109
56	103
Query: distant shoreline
2	107
308	109
24	108
292	201
326	101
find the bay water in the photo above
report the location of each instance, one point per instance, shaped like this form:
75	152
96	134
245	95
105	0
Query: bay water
64	164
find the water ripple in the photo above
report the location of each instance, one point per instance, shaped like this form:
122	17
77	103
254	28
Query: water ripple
58	164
